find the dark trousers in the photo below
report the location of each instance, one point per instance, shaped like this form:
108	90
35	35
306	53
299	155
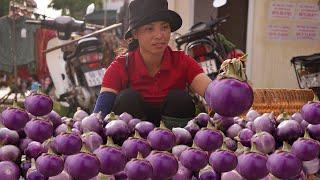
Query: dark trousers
178	104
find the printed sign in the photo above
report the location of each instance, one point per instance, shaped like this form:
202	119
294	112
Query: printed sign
278	32
308	11
307	32
280	9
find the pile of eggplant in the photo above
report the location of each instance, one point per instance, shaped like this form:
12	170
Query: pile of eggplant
37	143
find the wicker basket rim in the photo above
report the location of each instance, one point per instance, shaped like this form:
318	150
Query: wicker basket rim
282	89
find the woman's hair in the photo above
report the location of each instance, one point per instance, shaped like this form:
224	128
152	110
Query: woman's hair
133	45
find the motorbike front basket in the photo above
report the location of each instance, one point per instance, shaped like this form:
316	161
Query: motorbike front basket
307	69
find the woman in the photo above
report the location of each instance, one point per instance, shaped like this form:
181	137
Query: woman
150	81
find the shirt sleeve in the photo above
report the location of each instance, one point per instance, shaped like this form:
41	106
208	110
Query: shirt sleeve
114	76
193	68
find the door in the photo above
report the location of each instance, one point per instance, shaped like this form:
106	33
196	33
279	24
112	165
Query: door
235	29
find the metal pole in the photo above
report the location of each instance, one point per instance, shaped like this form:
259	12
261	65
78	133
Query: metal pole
105	14
82	37
14	45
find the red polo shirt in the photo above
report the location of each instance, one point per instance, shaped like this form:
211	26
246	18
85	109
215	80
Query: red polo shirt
176	71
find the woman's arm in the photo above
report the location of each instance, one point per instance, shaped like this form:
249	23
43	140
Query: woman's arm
104	89
105	101
200	83
111	84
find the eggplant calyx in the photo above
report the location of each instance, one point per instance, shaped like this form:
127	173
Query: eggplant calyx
233	68
283	116
112	116
211	126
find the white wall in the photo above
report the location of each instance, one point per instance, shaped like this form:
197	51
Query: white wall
112	4
185	8
269	59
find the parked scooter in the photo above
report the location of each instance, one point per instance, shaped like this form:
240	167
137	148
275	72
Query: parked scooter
75	66
206	45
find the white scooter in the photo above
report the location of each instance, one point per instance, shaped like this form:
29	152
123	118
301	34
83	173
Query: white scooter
76	73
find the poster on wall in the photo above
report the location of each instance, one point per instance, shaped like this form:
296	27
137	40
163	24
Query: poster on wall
280	9
278	32
306	32
293	21
308	11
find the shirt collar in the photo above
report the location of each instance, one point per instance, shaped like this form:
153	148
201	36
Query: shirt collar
166	62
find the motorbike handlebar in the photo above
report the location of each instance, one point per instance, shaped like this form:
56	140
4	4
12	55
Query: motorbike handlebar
197	34
62	23
45	23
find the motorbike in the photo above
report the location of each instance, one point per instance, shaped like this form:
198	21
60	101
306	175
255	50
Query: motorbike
208	47
75	66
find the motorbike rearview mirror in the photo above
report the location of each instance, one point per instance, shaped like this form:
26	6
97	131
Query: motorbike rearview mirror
90	9
219	3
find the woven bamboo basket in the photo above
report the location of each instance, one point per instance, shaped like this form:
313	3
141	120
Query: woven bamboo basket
281	100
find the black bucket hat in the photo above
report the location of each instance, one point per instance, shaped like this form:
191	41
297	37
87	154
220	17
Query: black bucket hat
142	12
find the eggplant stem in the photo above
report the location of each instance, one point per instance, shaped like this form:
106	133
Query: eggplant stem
112	116
69	125
210	126
137	135
47	143
139	156
286	146
273	177
224	146
33	163
162	125
15	104
237	139
194	145
110	142
254	148
85	148
207	168
99	116
306	134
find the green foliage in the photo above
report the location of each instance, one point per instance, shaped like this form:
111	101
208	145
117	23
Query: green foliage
76	8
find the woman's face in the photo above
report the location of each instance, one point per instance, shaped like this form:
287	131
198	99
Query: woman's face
153	37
